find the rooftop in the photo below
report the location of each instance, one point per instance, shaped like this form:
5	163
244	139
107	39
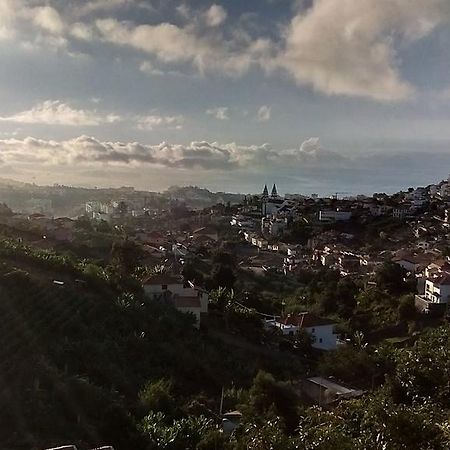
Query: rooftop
305	320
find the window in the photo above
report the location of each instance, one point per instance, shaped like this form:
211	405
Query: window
164	287
313	330
320	340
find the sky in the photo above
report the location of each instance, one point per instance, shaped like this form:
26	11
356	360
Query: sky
315	95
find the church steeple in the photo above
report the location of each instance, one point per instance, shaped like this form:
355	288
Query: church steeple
274	191
265	193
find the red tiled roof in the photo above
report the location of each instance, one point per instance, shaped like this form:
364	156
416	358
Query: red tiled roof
305	320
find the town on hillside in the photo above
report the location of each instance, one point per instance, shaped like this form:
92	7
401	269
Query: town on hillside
322	293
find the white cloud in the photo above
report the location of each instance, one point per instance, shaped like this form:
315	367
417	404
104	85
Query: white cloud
264	113
55	112
347	47
311	152
88	151
8	13
215	15
220	113
156	121
338	47
148	68
173	44
82	31
48	19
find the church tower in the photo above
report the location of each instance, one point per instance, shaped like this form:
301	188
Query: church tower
274	191
265	193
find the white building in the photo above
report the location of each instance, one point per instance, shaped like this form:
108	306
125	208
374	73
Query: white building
401	213
438	290
185	296
334	216
321	330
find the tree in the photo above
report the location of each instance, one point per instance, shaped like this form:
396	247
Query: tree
224	258
391	277
191	273
346	291
158	396
182	434
223	276
267	394
349	364
406	308
104	227
125	257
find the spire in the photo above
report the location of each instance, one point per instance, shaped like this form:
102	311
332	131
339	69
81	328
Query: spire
265	193
274	191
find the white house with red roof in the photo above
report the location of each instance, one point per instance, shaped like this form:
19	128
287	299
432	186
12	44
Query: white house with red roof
319	328
185	296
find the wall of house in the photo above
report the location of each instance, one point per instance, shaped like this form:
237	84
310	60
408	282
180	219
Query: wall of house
324	337
445	293
437	293
331	216
179	289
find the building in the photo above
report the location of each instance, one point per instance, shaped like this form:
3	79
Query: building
273	226
436	296
438	290
326	392
321	330
334	216
401	213
186	297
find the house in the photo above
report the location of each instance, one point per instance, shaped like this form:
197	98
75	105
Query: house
320	329
401	212
330	216
325	392
412	262
273	226
436	268
438	290
436	296
186	297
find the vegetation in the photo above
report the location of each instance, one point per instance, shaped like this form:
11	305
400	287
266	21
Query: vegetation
90	360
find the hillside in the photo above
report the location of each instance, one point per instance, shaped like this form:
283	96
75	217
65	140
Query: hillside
76	356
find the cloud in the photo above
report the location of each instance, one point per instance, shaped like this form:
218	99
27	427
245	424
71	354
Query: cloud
215	15
82	31
172	44
263	114
88	151
220	113
156	121
311	152
55	112
347	47
48	19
